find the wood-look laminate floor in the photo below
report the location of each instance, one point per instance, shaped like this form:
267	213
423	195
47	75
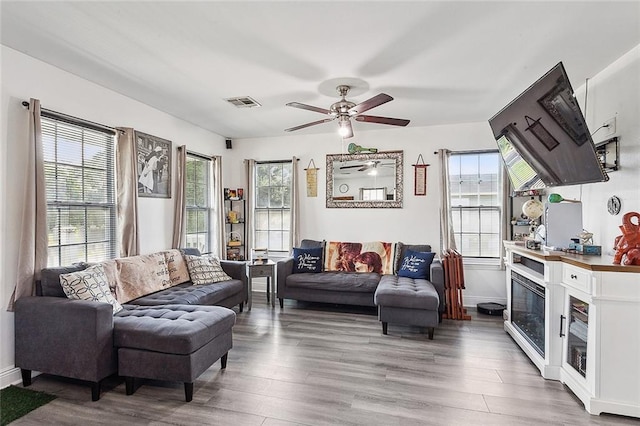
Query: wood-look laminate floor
313	364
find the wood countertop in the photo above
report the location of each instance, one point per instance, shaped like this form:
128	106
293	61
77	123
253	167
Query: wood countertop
593	263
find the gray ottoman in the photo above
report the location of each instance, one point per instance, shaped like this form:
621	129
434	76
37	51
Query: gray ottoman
171	342
407	301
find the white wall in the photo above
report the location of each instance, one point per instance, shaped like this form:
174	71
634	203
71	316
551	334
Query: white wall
615	92
23	78
416	222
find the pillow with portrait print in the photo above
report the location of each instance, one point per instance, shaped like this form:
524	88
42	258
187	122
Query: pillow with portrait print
307	260
205	269
89	284
416	264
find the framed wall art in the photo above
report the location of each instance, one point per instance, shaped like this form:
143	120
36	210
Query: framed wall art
420	177
153	166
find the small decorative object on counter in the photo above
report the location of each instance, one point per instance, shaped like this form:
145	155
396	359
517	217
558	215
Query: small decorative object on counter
532	244
627	245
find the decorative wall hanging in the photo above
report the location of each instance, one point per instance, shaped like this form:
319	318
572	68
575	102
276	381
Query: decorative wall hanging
420	176
153	166
312	179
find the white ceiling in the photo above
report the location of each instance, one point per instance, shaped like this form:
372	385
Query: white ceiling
443	62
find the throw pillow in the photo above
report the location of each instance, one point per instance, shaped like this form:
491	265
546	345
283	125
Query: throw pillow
307	260
89	284
205	269
178	271
141	275
416	264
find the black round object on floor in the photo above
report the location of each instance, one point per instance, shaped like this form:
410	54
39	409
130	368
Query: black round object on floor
491	308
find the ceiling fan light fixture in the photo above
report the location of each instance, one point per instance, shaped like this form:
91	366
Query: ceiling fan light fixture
344	127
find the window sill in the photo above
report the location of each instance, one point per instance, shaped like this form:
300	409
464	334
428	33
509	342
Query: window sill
486	264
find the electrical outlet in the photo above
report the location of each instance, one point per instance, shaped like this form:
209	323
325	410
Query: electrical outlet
609	127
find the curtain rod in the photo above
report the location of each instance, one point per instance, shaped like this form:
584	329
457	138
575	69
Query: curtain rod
74	120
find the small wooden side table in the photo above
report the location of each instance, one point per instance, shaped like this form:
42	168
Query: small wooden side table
265	269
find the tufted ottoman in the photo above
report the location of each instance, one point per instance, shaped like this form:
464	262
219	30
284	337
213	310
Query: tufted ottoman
407	301
171	342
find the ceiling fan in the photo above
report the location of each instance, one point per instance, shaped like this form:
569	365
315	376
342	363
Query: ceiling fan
344	110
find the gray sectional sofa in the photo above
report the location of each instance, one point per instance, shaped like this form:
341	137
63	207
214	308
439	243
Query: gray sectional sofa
348	288
75	338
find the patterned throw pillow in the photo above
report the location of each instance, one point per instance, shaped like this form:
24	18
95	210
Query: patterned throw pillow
416	264
90	284
205	269
178	271
307	260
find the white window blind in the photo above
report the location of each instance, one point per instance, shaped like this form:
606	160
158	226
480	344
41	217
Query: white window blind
79	176
198	202
476	202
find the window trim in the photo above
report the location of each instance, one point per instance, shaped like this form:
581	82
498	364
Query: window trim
257	209
56	205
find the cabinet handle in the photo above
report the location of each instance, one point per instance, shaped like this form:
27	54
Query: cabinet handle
562	318
574	277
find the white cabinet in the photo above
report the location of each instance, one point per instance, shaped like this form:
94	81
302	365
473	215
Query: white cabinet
592	327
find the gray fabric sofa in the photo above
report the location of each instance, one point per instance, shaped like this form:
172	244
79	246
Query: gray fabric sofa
74	338
348	288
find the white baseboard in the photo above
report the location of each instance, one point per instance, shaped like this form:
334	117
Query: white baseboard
10	376
472	301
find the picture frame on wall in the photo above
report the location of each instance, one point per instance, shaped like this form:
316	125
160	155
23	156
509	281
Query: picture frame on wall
153	168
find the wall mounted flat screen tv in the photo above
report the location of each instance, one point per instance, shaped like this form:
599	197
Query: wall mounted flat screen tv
543	137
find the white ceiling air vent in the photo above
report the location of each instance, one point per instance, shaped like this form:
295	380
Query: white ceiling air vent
243	102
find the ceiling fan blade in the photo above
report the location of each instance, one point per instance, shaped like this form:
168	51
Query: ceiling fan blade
377	100
302	126
382	120
308	107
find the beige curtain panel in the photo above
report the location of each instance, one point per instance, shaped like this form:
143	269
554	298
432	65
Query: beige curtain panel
447	237
127	192
218	199
250	173
32	253
180	209
294	234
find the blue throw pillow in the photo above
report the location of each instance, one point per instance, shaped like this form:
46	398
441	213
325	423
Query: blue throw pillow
307	260
416	264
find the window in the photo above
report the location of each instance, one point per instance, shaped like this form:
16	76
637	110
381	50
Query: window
79	178
476	202
273	205
198	202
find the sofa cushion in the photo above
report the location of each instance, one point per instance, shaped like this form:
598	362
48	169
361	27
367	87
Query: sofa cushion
205	269
174	329
307	260
177	266
89	284
140	275
416	264
400	250
336	281
50	278
402	292
189	294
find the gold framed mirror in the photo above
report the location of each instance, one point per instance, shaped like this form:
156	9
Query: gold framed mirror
365	180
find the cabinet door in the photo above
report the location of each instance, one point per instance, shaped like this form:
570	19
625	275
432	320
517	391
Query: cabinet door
576	335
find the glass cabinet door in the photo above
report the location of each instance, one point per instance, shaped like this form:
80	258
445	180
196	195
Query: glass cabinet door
578	317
